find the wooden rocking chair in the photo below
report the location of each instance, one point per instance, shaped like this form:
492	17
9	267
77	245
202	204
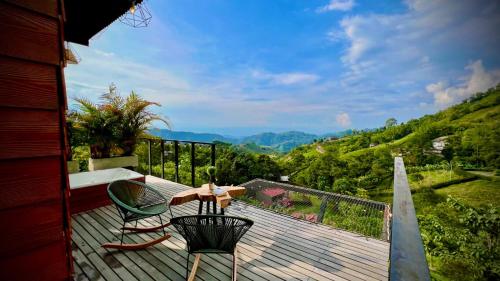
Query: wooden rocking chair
135	201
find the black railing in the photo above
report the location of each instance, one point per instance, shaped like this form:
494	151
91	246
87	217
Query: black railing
408	260
176	144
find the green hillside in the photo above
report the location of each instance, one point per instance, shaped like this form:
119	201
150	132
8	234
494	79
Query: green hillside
458	209
460	233
471	128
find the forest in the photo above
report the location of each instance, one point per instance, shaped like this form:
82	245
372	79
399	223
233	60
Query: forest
452	160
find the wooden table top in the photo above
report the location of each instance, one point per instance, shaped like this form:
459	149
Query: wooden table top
203	194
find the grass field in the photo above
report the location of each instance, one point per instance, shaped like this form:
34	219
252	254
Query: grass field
474	193
431	178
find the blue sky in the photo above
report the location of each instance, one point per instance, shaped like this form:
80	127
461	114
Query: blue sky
244	67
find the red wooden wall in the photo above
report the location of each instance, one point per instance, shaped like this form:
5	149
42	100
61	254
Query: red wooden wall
34	218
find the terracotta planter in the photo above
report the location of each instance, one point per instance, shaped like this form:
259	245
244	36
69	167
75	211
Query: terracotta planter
113	162
73	166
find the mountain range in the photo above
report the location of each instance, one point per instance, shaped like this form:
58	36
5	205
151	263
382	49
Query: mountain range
271	142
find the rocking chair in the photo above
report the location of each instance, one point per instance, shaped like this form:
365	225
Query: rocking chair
211	234
135	201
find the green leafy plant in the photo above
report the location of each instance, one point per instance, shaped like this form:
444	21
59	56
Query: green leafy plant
115	124
211	173
344	186
133	115
464	239
97	125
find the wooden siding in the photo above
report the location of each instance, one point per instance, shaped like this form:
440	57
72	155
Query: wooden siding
19	80
46	7
277	247
24	181
29	133
44	263
29	35
33	181
30	227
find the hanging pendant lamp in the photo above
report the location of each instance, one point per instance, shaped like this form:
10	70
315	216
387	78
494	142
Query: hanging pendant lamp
137	16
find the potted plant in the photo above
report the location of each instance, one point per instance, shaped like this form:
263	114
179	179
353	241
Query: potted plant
134	119
113	127
211	177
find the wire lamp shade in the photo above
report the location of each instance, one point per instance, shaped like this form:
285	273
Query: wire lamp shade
137	16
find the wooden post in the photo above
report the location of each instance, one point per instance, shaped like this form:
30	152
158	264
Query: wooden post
407	261
162	157
386	228
149	157
197	258
235	264
212	158
176	160
192	164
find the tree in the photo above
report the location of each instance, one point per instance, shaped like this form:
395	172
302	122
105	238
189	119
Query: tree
391	122
448	153
344	186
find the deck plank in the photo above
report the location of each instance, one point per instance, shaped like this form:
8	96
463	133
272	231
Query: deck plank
277	247
213	260
101	259
291	259
291	248
102	236
170	252
358	256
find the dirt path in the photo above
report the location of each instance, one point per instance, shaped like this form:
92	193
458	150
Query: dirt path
320	149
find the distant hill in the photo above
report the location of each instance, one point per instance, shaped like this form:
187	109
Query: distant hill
471	126
262	143
281	142
190	136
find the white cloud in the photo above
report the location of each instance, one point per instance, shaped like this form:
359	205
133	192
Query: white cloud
234	101
479	80
365	33
335	35
105	54
286	78
343	120
337	5
98	69
410	42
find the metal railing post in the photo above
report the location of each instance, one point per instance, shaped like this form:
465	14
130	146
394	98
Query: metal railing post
192	164
212	156
149	157
162	157
176	160
322	209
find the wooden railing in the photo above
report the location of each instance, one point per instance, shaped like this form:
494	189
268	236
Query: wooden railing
407	261
176	156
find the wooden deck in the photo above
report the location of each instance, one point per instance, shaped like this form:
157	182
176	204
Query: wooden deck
277	247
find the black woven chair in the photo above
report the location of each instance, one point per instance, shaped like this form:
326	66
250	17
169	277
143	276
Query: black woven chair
135	201
211	234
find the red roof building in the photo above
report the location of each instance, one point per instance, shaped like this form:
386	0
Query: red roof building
273	192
